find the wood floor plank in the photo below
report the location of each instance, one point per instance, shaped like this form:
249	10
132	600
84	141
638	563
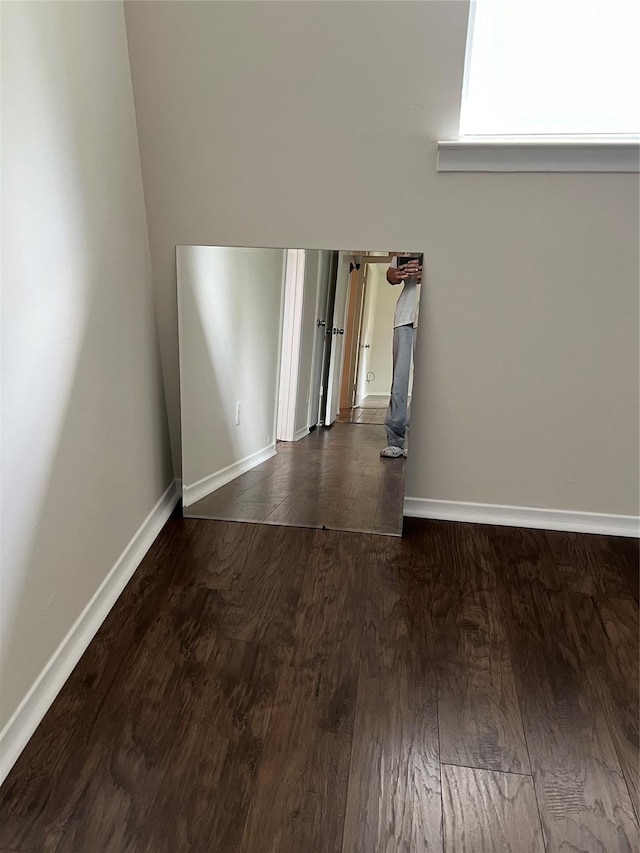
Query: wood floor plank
486	812
596	565
215	755
583	799
524	555
613	646
220	722
394	801
141	720
211	553
480	722
625	560
272	489
465	546
592	565
258	602
299	799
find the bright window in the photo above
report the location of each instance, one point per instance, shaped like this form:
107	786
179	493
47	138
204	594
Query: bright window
552	68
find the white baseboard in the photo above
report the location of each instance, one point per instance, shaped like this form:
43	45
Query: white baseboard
523	516
380	400
209	484
301	433
23	723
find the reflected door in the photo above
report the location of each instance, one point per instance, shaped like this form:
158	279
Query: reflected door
337	332
321	337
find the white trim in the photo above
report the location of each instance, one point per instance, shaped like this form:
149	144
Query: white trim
181	382
524	516
301	433
212	482
526	155
291	343
373	404
29	714
283	290
363	403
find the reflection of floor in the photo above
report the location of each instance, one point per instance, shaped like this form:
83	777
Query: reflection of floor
333	478
362	415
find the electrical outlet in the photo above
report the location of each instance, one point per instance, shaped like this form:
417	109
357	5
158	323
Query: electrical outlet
238	406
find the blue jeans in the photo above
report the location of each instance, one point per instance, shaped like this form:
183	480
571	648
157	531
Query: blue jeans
396	422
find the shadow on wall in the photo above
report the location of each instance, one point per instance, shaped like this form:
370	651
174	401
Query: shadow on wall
83	407
230	317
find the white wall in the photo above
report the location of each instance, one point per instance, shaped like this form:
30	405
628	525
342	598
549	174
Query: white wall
381	359
368	325
261	125
230	312
85	450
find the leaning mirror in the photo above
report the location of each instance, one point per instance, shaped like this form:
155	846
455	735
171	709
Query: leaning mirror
296	369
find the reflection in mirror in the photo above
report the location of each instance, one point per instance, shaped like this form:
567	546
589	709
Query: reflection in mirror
295	378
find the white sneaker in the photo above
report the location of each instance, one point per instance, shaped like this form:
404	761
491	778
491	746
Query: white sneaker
392	452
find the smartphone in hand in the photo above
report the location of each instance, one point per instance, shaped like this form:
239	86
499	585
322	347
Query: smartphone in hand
405	259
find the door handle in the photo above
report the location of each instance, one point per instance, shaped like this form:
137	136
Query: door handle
338	331
321	323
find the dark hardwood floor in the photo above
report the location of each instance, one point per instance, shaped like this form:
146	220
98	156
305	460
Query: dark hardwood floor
362	415
333	478
466	689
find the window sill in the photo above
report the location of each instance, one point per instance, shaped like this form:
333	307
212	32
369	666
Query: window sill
497	155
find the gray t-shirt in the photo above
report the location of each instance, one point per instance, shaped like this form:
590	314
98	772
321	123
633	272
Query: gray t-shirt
407	307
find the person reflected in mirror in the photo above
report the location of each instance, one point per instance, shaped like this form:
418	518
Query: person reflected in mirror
405	269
